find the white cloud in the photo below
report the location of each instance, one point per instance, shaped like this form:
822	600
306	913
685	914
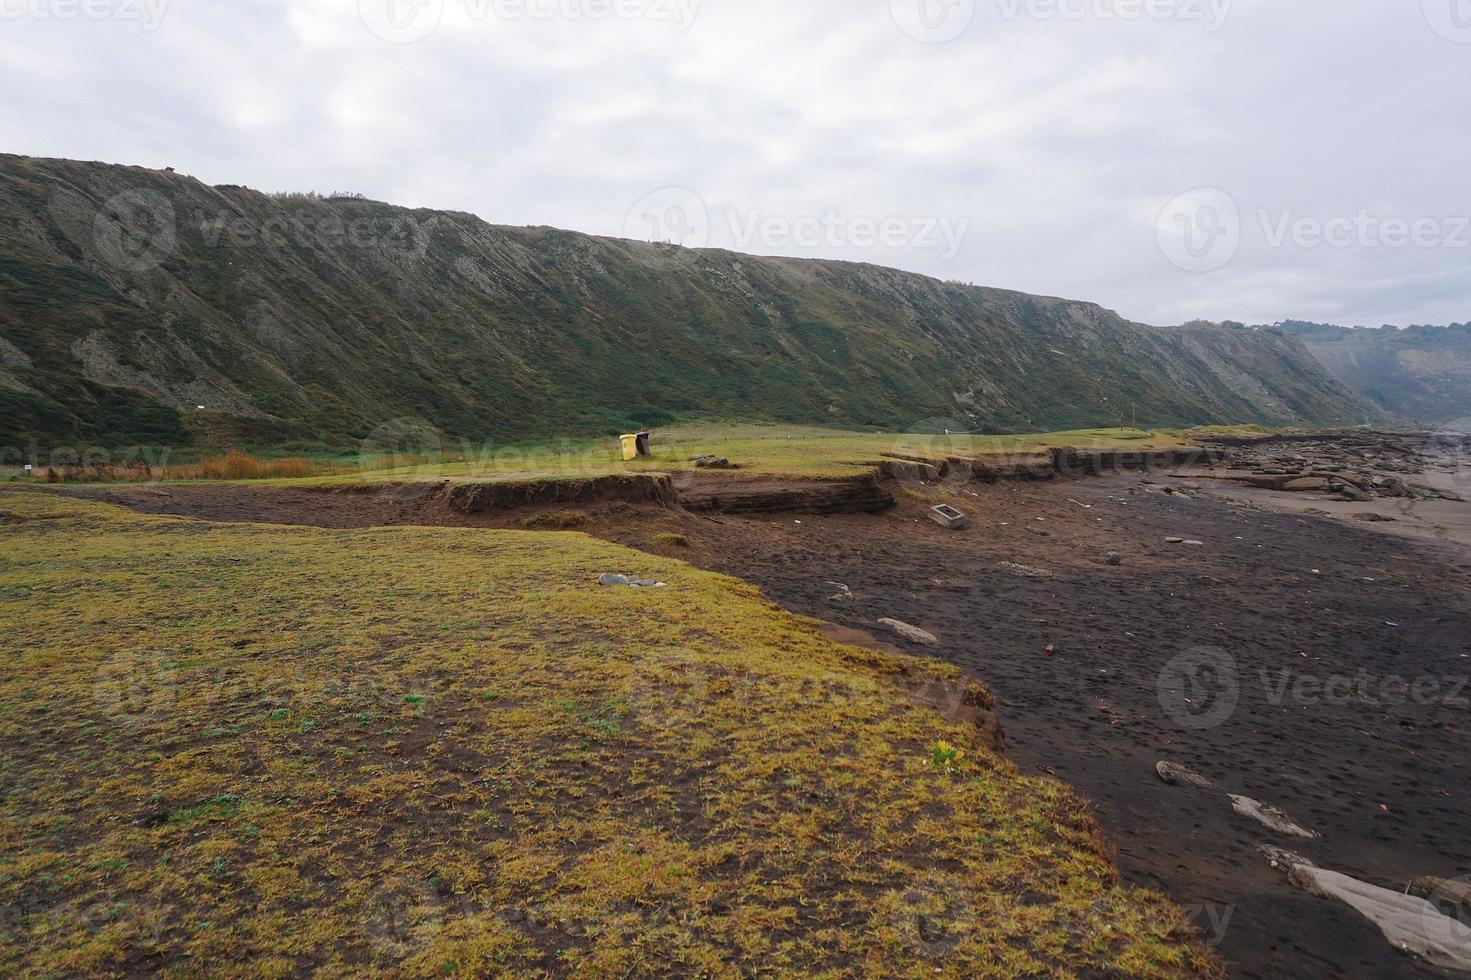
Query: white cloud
1057	139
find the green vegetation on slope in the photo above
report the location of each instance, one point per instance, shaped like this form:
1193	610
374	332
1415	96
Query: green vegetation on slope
247	750
296	320
1419	373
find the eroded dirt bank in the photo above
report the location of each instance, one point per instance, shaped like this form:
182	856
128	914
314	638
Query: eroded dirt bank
1381	774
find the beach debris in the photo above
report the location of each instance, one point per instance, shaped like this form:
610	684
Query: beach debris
911	633
1051	651
1271	818
947	517
1413	925
1176	774
610	578
1025	571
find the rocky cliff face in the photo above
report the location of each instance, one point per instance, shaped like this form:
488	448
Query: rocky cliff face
129	298
1419	373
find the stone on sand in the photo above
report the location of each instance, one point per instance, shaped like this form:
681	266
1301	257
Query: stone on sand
1411	924
1444	891
1271	817
1175	774
911	633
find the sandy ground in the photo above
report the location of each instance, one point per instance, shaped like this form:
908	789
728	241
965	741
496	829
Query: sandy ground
1440	520
1315	627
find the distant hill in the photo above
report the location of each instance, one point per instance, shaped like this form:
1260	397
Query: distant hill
129	298
1421	373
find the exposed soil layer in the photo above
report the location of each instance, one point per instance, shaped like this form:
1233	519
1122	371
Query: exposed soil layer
731	495
1339	742
477	498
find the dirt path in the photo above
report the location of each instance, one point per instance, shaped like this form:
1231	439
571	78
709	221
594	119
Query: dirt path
1382	773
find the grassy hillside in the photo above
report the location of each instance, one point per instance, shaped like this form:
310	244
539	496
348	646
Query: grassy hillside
130	297
254	750
1420	373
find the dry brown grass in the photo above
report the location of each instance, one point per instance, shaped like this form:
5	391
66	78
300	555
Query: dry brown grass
243	466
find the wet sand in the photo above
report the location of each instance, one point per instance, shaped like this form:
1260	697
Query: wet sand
1387	784
1437	520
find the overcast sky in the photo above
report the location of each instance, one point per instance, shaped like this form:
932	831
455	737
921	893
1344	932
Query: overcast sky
1171	159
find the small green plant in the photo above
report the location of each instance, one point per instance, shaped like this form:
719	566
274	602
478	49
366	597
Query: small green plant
946	756
566	520
671	541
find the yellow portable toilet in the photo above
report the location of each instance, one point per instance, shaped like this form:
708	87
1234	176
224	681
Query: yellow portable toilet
635	446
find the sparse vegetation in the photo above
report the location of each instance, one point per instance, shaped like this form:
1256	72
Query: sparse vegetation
567	520
244	748
671	541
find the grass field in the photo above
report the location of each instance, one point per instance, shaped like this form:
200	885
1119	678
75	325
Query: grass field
235	750
758	450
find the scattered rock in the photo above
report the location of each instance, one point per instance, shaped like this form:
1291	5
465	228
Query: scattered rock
1411	924
911	633
1114	558
844	594
1174	540
609	578
1175	774
1352	493
1271	818
1375	518
713	463
1306	484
